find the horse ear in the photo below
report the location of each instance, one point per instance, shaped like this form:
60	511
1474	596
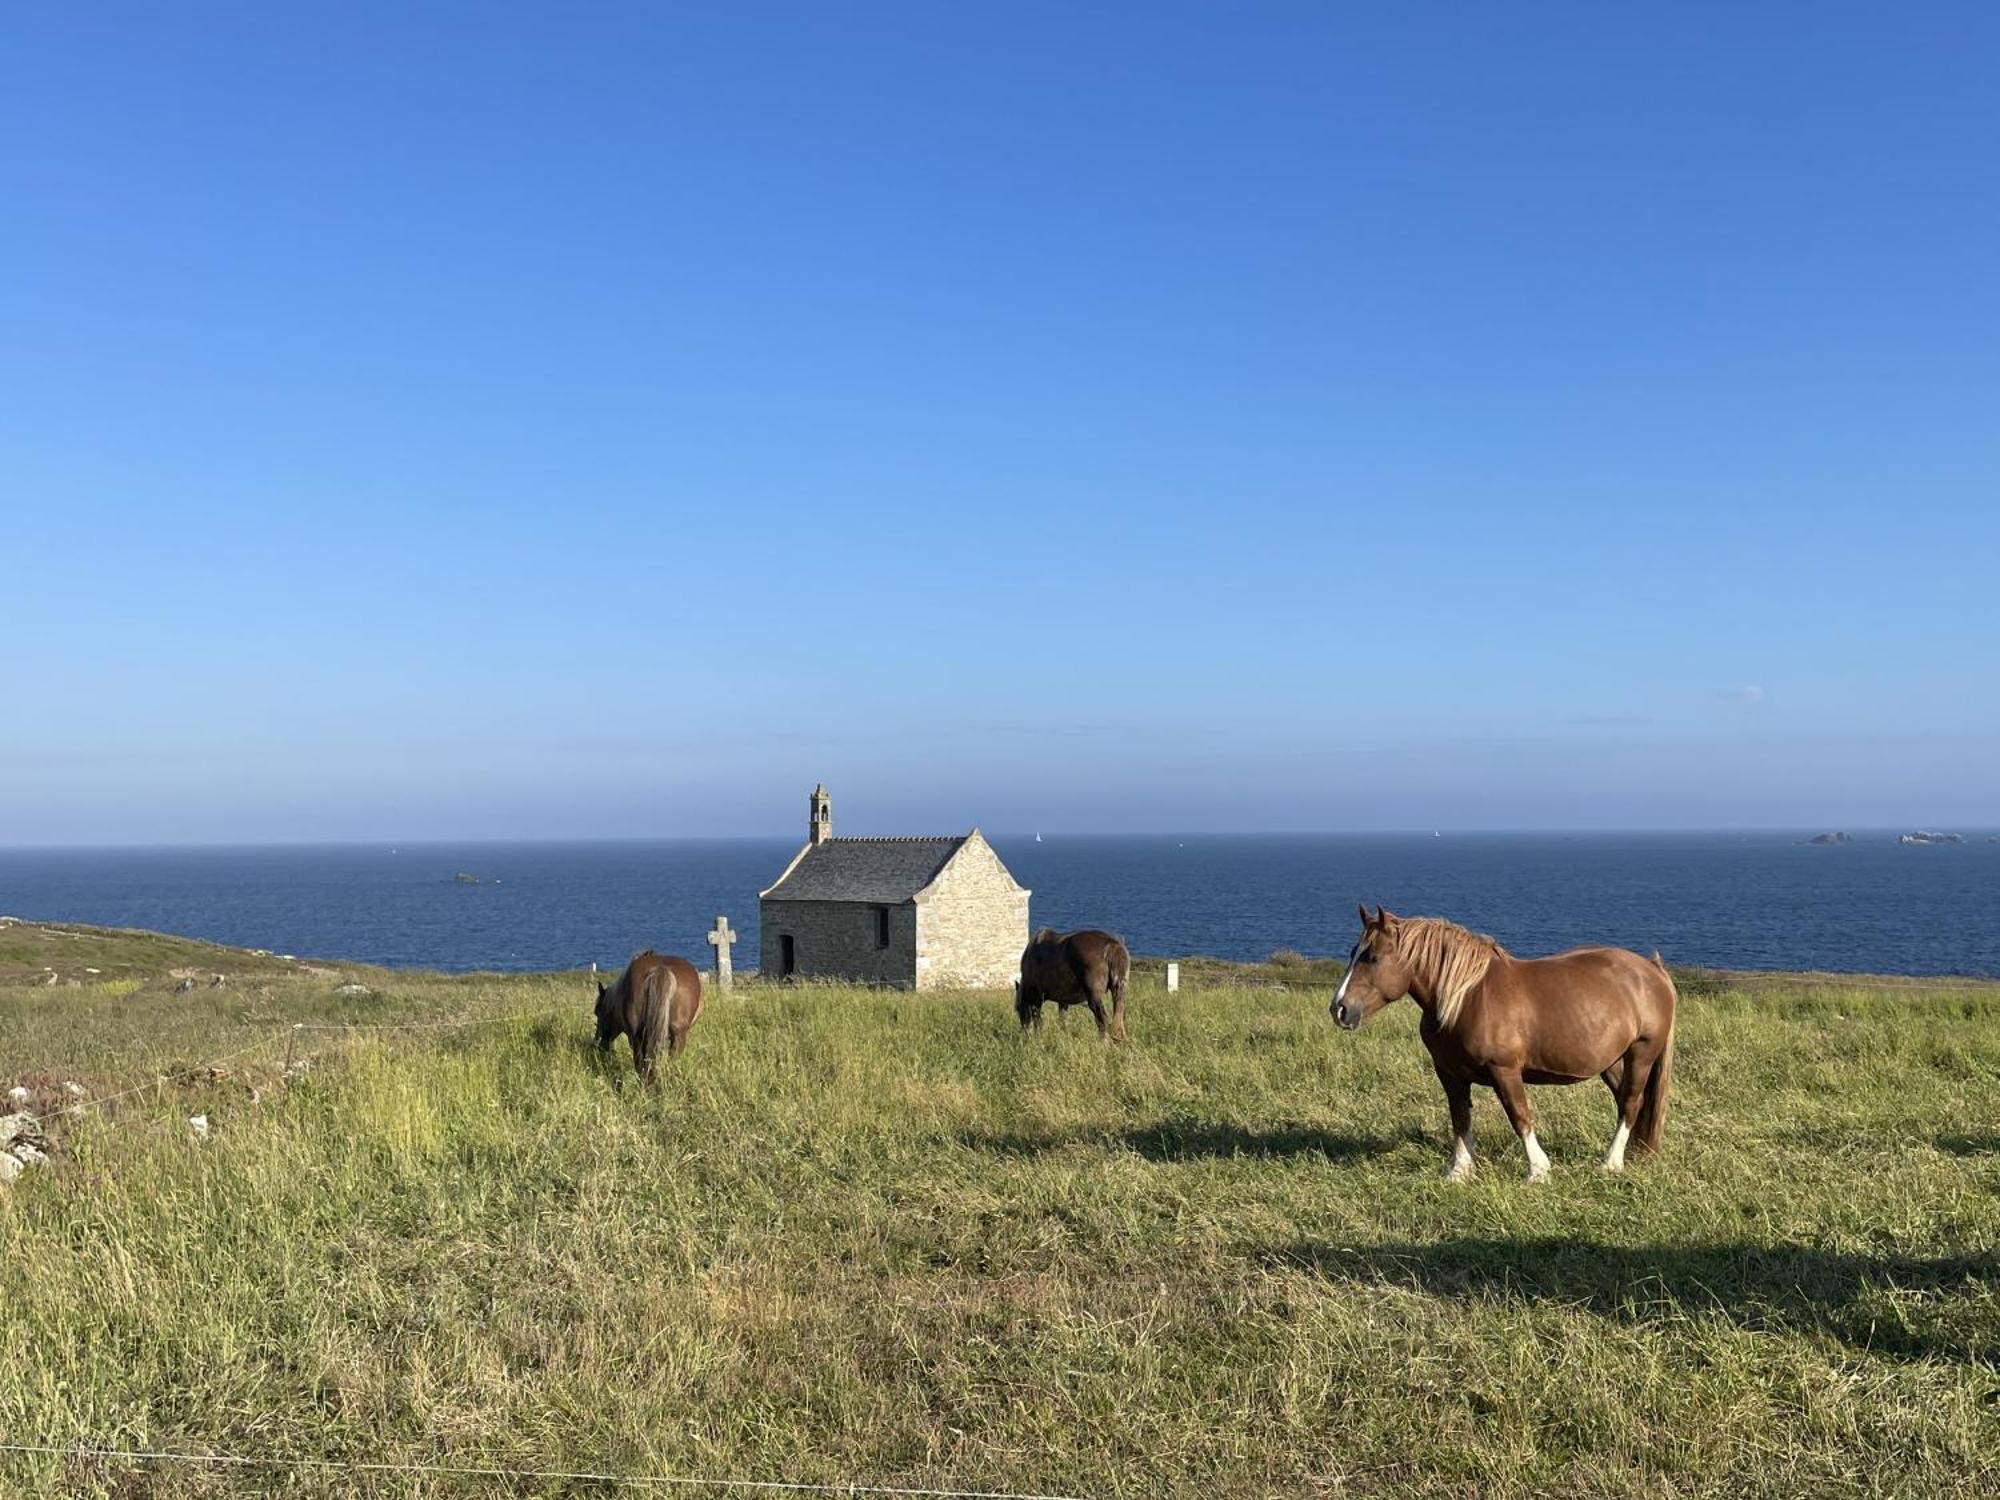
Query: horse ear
600	989
1366	920
1384	917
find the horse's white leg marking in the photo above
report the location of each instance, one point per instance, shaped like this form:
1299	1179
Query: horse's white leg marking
1614	1154
1460	1167
1538	1160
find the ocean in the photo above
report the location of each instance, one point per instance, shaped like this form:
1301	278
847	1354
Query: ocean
1725	900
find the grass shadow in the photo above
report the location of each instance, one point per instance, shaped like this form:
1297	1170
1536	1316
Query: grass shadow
1183	1140
1908	1307
559	1038
1969	1145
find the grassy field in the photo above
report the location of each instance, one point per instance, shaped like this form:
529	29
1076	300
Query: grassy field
874	1238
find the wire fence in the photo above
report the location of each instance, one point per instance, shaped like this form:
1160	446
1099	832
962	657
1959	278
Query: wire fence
1857	983
82	1106
448	1025
494	1471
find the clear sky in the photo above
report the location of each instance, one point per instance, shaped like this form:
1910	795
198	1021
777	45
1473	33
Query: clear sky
495	420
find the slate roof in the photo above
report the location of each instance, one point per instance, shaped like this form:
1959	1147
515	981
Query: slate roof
882	872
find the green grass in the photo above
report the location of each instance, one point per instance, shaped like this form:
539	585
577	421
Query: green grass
860	1236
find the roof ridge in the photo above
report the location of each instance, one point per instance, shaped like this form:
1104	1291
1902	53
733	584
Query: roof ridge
897	838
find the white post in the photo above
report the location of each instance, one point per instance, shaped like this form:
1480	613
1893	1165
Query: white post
1173	978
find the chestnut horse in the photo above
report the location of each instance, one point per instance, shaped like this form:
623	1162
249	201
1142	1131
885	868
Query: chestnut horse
1075	968
655	997
1506	1022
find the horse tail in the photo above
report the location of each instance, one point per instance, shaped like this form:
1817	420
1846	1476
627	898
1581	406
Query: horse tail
1118	974
686	1011
1653	1107
656	1000
1118	969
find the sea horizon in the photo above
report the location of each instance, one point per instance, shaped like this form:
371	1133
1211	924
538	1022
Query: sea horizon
1856	832
1727	899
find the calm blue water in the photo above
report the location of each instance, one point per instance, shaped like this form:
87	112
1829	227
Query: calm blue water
1755	900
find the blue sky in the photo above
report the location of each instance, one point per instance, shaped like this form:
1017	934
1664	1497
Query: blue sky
506	421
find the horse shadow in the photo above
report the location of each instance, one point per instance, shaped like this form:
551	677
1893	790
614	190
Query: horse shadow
1185	1140
1902	1306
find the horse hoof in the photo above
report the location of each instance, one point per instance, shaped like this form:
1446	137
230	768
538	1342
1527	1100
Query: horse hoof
1608	1165
1538	1174
1458	1174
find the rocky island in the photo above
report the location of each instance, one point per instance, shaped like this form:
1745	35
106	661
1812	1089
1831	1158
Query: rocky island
1827	838
1926	836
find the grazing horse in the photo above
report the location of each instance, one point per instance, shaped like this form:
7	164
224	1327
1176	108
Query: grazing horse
1075	968
655	997
1506	1022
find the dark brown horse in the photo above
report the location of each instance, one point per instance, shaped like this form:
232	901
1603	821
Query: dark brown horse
656	998
1506	1022
1075	968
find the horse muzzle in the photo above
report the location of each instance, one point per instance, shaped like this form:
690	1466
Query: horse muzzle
1345	1016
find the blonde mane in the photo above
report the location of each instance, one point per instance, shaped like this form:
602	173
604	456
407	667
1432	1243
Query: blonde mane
1447	959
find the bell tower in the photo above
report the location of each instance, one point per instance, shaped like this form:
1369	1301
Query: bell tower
820	829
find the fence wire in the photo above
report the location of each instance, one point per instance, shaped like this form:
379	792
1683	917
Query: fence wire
495	1471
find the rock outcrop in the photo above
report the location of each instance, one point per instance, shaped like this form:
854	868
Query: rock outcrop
21	1145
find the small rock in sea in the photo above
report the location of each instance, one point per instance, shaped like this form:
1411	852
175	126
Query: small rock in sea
358	991
198	1124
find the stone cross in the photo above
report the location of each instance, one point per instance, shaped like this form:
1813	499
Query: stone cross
720	939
